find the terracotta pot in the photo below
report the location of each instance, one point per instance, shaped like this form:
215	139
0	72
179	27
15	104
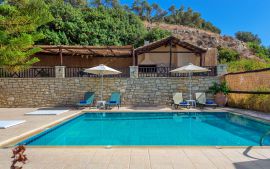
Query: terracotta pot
221	99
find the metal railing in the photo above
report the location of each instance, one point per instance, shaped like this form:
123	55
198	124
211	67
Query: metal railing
33	72
165	72
79	72
36	72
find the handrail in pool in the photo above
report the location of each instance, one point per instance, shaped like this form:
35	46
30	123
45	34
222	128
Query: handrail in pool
263	137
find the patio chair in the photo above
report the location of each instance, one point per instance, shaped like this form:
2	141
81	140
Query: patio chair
88	99
178	101
114	100
202	101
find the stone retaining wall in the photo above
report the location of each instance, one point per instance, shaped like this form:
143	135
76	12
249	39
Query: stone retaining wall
39	92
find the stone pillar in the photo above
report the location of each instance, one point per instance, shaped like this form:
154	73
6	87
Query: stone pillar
134	71
222	69
60	71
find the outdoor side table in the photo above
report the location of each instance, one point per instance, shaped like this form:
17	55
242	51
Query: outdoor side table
101	104
192	103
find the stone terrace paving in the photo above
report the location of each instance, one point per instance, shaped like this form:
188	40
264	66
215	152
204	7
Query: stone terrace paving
126	157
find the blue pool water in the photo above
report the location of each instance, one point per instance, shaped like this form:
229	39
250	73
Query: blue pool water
154	129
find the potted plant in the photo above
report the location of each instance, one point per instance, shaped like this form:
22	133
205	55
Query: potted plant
220	91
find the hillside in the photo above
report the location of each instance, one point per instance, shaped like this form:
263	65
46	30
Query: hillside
205	39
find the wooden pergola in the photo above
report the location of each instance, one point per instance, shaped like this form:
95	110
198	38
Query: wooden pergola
96	51
171	42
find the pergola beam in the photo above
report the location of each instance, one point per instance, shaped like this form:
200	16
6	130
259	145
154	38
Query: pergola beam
85	47
111	51
166	52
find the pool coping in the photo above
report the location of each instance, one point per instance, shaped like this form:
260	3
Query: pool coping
14	140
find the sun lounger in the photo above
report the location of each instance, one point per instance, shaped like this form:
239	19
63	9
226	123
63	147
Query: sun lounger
88	99
9	123
202	101
178	101
115	100
48	112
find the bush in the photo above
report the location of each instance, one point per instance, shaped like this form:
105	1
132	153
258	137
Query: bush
246	65
156	34
260	51
219	88
227	55
248	37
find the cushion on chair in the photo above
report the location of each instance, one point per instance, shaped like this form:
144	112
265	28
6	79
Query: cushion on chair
209	102
184	103
82	102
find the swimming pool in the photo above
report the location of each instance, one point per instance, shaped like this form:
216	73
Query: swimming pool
154	129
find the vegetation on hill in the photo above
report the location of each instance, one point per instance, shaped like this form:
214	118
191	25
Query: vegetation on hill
247	37
99	25
236	63
254	43
107	22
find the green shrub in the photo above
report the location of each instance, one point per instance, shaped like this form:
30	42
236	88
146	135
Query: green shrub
156	34
219	88
246	65
227	55
247	37
260	51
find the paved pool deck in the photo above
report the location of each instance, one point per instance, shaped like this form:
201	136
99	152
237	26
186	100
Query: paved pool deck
142	158
126	157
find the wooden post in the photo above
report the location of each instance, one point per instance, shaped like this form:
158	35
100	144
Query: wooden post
170	54
61	55
133	57
201	60
136	59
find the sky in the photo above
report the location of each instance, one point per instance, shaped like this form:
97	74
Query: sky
229	15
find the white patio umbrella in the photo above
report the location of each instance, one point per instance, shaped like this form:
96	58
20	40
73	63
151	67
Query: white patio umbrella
190	69
102	70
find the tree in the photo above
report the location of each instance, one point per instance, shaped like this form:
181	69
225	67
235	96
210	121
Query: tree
147	8
247	37
226	55
92	26
96	3
189	18
113	27
156	34
77	3
137	8
68	27
259	50
159	13
18	25
172	9
112	3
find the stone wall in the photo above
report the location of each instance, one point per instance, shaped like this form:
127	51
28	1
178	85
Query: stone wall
39	92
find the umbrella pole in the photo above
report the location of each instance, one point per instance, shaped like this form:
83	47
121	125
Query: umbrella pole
190	97
101	87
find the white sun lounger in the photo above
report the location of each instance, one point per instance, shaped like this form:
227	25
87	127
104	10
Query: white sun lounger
201	100
47	112
178	100
9	123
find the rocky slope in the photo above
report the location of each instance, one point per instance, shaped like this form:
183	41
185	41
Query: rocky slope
204	38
